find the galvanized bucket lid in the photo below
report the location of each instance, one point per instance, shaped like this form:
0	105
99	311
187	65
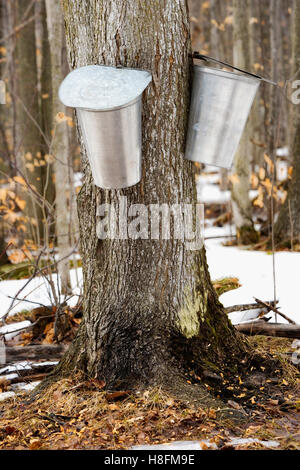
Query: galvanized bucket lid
102	88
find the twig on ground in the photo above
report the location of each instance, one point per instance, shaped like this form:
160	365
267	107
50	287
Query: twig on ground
271	307
34	352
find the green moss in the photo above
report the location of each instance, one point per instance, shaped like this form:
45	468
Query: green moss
188	319
247	235
16	271
226	284
26	269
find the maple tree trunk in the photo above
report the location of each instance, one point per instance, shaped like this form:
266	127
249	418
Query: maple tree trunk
150	309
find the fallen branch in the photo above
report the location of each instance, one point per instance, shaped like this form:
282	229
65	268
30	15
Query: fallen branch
29	378
244	307
36	352
274	309
34	369
269	329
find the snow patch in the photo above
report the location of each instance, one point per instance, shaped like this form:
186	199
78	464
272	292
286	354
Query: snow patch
14	329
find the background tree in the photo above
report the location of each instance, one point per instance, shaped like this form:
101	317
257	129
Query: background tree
4	151
276	59
45	103
256	116
60	142
28	144
287	228
149	308
241	204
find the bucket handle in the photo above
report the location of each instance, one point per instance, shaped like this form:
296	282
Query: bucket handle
206	58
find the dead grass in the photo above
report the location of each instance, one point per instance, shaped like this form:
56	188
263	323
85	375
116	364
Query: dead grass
18	317
279	348
76	413
71	416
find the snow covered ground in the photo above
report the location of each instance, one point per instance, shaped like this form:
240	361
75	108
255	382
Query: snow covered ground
36	293
254	269
209	192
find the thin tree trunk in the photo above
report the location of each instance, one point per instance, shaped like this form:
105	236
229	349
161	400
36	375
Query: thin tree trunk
195	14
28	132
149	306
60	144
45	93
4	156
217	50
241	204
4	108
275	41
256	117
287	228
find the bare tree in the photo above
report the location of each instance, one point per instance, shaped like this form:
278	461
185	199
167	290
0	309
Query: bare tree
256	117
241	204
276	52
60	143
287	228
28	143
4	149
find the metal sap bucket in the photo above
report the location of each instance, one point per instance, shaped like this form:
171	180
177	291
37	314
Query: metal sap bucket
220	105
108	102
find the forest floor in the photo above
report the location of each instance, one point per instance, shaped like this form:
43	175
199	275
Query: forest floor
76	413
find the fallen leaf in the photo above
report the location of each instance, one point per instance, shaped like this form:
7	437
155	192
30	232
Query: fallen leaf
97	383
35	444
117	395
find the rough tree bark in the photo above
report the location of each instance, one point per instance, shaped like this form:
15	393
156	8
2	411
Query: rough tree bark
150	309
60	143
241	204
287	228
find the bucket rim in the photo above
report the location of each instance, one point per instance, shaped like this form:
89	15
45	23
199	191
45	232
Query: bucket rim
227	74
115	108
